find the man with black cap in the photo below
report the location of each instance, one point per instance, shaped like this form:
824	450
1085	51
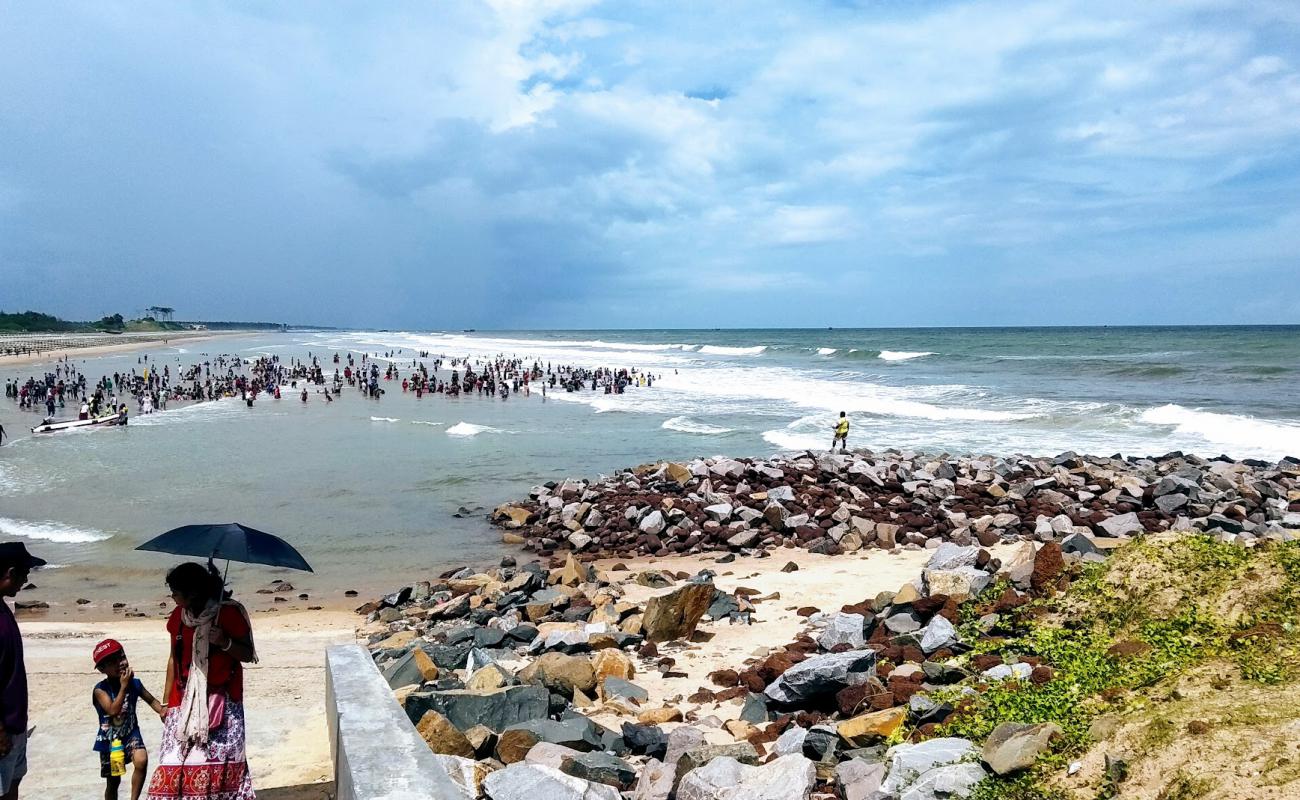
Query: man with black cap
15	563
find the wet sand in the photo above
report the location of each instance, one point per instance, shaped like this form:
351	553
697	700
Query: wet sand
288	745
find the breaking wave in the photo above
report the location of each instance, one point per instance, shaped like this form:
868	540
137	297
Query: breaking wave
470	429
51	532
902	355
688	425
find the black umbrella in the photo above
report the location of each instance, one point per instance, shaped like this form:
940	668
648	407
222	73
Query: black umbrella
231	541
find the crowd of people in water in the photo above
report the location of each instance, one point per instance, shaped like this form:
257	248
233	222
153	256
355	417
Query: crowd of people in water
152	386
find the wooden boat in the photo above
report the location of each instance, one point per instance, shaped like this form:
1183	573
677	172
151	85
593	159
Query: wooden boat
54	426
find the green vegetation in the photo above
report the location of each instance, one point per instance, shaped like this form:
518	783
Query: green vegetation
1156	609
36	322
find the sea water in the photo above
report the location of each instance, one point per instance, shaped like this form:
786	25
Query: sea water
370	489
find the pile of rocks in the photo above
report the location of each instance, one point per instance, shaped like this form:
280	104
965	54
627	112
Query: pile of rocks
861	675
832	503
501	672
494	668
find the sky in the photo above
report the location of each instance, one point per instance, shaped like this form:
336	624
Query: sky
574	164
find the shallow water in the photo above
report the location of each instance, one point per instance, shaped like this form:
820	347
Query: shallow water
368	489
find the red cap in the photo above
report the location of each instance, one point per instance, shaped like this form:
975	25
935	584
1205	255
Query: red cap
106	648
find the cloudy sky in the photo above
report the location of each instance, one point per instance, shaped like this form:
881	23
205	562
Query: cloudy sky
563	163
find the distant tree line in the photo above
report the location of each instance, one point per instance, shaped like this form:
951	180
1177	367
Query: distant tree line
36	322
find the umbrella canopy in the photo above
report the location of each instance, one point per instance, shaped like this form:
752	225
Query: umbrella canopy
230	541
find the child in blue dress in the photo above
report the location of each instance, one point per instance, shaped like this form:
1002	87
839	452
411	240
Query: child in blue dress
115	699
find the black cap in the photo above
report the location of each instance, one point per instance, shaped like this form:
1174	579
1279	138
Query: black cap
16	553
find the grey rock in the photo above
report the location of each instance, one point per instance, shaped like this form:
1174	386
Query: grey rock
653	523
600	767
1014	746
497	709
909	762
754	710
857	779
576	732
938	634
821	674
783	494
524	781
1121	524
788	777
403	672
655	782
944	783
1079	544
843	629
950	556
1169	503
718	511
902	622
790	741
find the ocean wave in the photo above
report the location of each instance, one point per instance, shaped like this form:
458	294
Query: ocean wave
902	355
425	422
1264	370
826	351
384	419
470	429
1149	371
688	425
1232	432
719	350
51	532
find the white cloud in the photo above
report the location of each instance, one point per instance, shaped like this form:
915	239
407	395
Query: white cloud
810	224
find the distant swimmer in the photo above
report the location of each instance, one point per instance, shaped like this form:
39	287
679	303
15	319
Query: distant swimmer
841	434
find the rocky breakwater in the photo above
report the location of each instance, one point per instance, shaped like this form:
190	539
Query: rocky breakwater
833	503
496	668
505	672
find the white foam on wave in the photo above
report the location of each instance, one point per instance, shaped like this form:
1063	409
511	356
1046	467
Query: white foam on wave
902	355
51	531
194	412
1237	435
470	429
719	350
425	422
826	351
595	353
688	425
384	419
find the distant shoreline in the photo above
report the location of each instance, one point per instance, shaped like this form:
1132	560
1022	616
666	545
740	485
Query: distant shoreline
67	344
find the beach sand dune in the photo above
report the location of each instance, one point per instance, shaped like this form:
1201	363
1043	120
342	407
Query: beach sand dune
288	745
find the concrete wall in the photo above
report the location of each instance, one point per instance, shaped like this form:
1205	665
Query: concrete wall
377	753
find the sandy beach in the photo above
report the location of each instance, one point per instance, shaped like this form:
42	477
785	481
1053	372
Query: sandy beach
825	582
136	342
287	741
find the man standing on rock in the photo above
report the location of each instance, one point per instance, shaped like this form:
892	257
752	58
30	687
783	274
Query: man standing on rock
15	564
841	434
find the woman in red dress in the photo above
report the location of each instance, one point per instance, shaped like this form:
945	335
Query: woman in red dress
202	754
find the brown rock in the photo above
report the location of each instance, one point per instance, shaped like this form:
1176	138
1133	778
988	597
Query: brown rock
443	737
1048	564
872	727
560	673
428	669
513	745
613	663
675	615
658	716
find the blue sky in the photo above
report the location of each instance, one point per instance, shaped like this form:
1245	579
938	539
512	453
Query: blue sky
572	164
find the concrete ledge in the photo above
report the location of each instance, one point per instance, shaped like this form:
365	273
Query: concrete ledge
377	753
